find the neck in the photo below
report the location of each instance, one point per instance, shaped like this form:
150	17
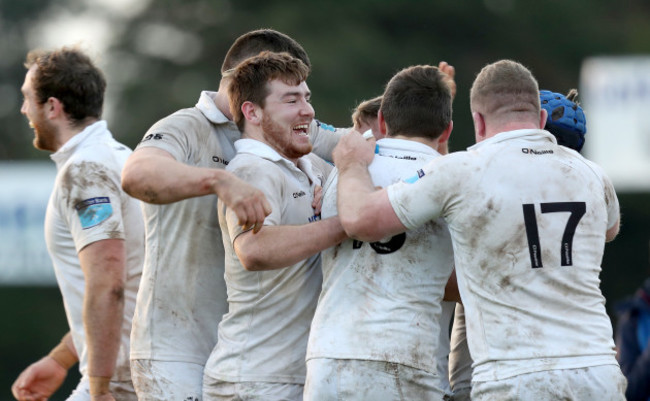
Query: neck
68	131
221	100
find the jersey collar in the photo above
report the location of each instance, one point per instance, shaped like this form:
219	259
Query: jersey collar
537	135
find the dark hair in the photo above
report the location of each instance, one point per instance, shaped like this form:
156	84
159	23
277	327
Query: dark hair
254	42
249	80
417	103
70	76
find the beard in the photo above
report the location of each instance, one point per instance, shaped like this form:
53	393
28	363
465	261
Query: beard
282	139
44	135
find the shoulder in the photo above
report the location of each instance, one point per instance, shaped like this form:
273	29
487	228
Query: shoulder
189	119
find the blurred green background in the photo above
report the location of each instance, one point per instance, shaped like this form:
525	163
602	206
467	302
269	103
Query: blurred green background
159	54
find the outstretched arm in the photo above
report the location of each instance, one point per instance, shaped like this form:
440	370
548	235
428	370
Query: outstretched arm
154	176
275	247
366	213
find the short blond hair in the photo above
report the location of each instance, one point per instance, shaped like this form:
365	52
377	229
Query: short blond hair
505	89
366	112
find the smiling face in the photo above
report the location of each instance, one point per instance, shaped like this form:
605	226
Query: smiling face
44	130
286	117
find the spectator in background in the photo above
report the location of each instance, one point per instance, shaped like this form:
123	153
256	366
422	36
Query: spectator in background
633	342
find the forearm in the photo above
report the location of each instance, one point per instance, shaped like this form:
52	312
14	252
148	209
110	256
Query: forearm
365	212
154	176
104	266
276	247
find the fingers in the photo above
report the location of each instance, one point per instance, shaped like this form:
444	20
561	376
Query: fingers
252	213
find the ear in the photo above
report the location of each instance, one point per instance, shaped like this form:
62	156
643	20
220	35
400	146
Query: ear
382	123
543	116
252	112
479	126
53	108
444	137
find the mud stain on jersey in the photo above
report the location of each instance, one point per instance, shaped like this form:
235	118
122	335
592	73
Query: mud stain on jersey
78	177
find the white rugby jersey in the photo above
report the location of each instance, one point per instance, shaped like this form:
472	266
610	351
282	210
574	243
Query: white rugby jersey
88	205
263	337
528	220
382	301
183	294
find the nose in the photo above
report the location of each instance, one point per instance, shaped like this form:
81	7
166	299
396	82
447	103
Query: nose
23	108
308	110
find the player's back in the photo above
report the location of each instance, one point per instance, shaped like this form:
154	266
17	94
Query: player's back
381	300
528	224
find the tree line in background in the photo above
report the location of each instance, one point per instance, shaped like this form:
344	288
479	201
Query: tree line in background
160	58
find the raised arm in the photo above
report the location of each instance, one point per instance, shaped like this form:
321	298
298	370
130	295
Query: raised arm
154	176
104	267
365	212
275	247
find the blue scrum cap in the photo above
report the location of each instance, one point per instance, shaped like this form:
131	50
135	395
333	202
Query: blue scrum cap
565	120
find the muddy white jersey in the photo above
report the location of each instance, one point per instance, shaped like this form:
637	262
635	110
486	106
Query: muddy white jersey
183	294
263	337
528	220
381	300
88	205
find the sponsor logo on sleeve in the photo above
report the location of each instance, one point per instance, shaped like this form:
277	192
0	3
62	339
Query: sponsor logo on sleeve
93	211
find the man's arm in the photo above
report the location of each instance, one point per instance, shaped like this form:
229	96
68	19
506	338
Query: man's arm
612	232
154	176
366	213
275	247
104	267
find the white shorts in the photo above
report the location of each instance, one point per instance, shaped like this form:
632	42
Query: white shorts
163	380
596	383
119	390
218	390
353	379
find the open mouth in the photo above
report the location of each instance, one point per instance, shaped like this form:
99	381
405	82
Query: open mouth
301	129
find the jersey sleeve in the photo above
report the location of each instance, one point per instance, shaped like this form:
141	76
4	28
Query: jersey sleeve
423	200
176	134
92	202
611	200
324	138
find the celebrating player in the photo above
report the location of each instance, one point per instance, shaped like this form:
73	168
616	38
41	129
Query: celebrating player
273	277
93	230
376	327
528	220
179	170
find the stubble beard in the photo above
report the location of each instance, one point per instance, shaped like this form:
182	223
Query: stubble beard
274	134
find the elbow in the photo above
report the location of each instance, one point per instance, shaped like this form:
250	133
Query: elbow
359	227
252	262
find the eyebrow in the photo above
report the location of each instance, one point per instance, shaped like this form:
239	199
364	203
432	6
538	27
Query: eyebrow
296	93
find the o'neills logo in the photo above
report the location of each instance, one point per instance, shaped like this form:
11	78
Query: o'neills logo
529	151
299	194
